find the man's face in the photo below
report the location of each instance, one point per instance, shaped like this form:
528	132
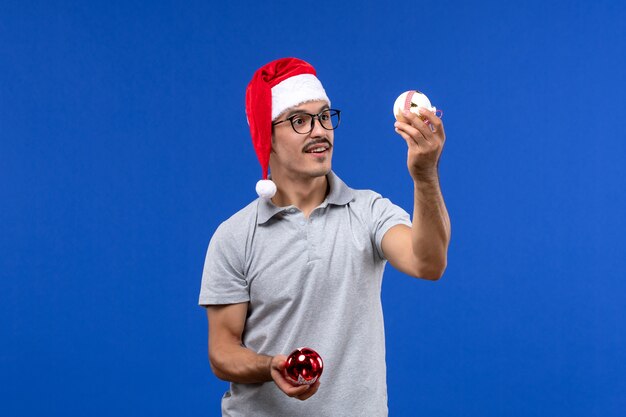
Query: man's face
300	155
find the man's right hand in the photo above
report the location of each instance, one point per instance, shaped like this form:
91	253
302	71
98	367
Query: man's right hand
231	361
301	392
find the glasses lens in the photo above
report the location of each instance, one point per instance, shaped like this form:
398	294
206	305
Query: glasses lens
301	123
330	119
326	120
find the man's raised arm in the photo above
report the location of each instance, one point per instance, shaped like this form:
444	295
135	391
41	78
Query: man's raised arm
421	250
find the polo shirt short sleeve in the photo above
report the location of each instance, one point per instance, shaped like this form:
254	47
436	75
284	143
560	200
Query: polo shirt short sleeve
224	267
385	215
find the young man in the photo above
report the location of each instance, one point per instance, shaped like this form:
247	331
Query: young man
302	265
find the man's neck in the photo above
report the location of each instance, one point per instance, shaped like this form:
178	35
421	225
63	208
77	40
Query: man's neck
304	193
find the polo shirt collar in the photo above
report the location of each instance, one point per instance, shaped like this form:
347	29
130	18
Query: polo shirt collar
340	194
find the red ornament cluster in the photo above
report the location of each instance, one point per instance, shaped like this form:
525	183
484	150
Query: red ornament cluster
303	366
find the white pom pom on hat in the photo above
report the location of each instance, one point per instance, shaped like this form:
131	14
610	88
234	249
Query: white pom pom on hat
274	88
266	188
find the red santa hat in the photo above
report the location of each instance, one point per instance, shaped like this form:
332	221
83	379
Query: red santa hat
276	87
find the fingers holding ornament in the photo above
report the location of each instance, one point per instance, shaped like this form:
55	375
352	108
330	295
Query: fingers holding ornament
413	137
285	385
420	126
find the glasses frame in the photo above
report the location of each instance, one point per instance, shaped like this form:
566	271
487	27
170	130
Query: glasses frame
313	117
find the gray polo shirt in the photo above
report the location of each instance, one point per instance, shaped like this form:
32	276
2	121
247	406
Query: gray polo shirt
309	282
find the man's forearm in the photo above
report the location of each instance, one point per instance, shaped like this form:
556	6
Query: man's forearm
431	227
239	364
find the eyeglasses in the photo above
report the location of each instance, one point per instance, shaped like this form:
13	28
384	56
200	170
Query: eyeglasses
303	122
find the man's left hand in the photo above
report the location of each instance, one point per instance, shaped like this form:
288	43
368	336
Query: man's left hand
425	139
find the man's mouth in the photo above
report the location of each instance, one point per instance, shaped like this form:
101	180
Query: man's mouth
317	148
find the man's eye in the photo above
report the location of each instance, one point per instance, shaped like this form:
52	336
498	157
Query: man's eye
298	120
325	116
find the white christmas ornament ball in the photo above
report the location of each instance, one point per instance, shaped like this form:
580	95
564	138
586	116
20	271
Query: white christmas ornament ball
266	188
411	100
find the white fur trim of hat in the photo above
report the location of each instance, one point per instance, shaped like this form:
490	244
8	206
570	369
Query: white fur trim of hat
296	90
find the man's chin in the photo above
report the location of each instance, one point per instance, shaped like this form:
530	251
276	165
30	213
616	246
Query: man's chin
321	172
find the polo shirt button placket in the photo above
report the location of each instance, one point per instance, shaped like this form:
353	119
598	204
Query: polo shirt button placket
311	237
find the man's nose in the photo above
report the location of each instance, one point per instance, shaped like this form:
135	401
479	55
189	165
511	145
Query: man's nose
317	130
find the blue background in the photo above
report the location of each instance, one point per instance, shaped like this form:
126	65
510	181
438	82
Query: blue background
123	145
